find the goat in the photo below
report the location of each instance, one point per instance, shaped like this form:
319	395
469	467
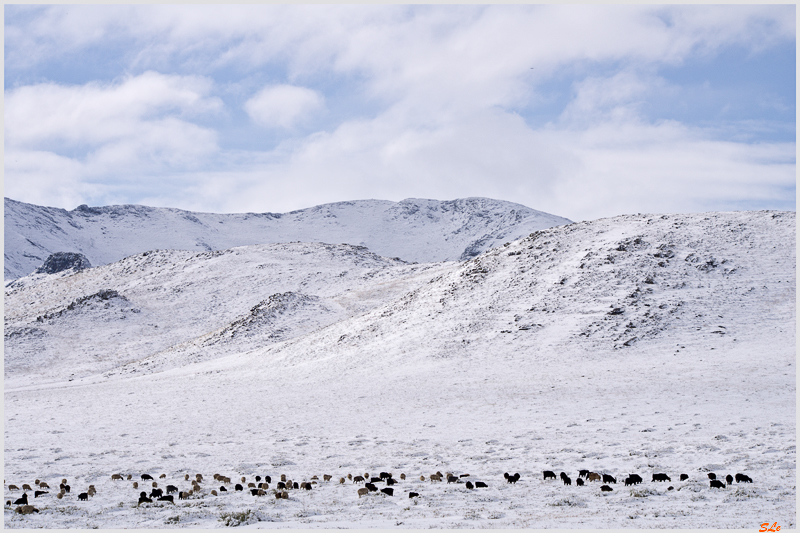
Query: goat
548	474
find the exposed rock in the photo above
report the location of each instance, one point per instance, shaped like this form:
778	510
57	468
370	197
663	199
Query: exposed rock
61	261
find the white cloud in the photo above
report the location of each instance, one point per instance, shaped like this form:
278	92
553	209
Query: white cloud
283	106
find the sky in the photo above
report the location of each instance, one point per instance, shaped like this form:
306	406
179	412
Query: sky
580	111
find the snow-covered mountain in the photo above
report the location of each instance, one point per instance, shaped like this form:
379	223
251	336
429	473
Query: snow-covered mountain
414	229
640	343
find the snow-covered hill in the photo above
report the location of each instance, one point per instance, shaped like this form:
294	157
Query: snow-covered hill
413	229
646	343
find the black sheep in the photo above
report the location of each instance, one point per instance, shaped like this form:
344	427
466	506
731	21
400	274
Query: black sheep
609	479
712	475
741	478
514	478
412	494
717	484
388	491
469	485
238	486
223	489
684	477
583	473
660	477
390	481
452	479
567	480
480	485
579	482
549	474
606	488
144	499
83	496
385	475
156	493
729	479
38	493
166	499
22	501
171	488
145	477
371	487
267	479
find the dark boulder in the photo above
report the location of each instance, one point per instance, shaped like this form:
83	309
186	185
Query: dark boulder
61	261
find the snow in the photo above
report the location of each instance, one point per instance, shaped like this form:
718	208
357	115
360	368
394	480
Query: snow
413	229
636	344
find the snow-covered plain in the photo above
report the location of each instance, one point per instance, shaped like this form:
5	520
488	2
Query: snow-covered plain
413	229
636	344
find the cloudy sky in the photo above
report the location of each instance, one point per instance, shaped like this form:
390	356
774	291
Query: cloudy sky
579	111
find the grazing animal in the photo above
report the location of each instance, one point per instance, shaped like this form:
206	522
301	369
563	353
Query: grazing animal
403	477
362	492
684	477
741	478
422	478
254	492
358	479
171	489
26	509
452	479
64	481
25	486
222	489
66	488
14	487
135	484
116	476
593	476
244	479
44	485
480	485
162	476
36	482
342	480
268	479
712	475
606	488
375	479
562	475
670	488
514	478
60	495
258	478
143	499
251	485
717	484
435	477
371	487
384	475
413	494
186	477
281	485
609	479
22	501
295	485
309	486
199	477
583	473
388	491
238	487
169	499
579	482
183	495
156	493
729	479
366	475
326	477
633	479
463	475
470	486
283	477
548	474
83	496
155	484
213	493
567	480
390	481
145	477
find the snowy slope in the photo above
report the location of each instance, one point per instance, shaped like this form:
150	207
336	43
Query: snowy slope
413	229
648	343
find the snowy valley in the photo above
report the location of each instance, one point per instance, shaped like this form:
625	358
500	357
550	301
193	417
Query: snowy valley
635	344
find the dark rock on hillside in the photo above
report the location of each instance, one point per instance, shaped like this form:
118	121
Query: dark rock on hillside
61	261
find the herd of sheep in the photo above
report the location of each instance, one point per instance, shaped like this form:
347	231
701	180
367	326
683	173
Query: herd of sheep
259	486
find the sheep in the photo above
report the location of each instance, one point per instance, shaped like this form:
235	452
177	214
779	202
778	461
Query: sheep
254	492
326	477
583	473
562	475
130	476
660	477
513	479
742	478
23	500
403	477
199	477
251	485
717	484
435	477
375	479
186	477
258	478
213	493
729	479
263	486
14	487
548	474
712	475
238	487
244	479
289	484
384	475
469	485
366	475
362	492
162	476
684	477
66	488
64	481
341	481
216	477
358	479
26	509
135	484
171	489
281	485
606	488
60	495
350	476
633	479
283	477
222	489
593	476
143	499
609	479
25	486
388	491
155	484
567	480
183	495
422	478
413	494
452	479
308	486
145	477
480	485
315	477
579	482
267	479
285	495
116	476
92	491
390	481
169	499
83	496
371	487
295	485
156	493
